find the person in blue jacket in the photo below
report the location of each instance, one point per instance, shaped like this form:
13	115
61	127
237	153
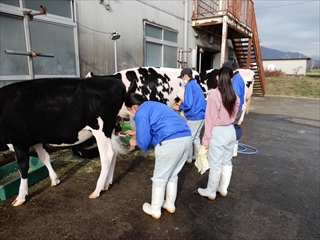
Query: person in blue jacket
237	85
158	125
193	107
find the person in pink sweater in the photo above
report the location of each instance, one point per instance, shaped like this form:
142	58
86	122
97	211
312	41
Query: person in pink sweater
219	134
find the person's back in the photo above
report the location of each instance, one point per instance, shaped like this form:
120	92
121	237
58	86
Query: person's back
219	135
193	107
159	122
194	103
238	87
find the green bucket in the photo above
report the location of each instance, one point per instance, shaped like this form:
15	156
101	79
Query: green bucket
125	126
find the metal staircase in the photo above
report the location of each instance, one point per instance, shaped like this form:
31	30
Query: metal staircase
234	20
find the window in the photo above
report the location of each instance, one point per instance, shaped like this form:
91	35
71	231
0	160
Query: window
10	2
58	7
61	45
161	46
13	30
54	33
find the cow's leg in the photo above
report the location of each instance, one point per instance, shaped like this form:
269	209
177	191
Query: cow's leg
45	159
22	155
106	154
110	173
247	105
242	115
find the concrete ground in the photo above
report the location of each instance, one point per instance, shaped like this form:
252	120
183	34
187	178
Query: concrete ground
273	194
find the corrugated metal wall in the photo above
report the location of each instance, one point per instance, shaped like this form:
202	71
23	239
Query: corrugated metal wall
126	17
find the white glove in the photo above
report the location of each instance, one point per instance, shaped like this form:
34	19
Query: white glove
202	160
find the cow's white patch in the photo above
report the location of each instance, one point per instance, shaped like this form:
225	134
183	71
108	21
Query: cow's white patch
8	151
45	159
89	75
83	135
10	146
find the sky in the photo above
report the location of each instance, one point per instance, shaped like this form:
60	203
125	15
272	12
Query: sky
289	26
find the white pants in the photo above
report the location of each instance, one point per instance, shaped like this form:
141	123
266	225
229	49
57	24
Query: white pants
195	127
223	139
170	158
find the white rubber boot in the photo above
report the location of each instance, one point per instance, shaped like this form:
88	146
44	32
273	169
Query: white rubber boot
213	184
235	149
171	195
225	180
154	209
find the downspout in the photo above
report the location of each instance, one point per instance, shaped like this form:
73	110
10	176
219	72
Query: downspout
186	10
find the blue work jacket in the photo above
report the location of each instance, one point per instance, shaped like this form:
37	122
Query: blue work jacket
194	103
157	122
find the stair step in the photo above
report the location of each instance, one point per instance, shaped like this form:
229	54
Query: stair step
241	48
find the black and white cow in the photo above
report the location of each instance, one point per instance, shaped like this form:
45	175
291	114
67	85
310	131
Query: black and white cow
165	85
157	84
209	78
56	111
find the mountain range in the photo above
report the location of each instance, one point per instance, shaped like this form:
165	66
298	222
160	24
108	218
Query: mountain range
269	53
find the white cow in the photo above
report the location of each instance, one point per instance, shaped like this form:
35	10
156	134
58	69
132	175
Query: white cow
248	78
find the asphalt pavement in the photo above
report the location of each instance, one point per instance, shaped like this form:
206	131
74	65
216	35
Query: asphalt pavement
273	194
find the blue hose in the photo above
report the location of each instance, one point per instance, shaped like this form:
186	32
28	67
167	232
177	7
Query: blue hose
245	147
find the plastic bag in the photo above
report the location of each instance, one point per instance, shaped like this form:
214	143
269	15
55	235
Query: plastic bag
202	160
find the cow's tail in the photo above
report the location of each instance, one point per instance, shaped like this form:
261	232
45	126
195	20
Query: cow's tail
118	145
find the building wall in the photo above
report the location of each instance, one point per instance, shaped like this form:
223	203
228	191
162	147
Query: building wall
87	25
51	37
288	66
126	17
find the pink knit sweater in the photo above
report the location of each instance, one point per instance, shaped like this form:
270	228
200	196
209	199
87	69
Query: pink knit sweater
216	115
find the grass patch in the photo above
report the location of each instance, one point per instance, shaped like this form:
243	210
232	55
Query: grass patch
313	73
294	86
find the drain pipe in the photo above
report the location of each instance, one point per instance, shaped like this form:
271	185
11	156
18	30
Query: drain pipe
186	10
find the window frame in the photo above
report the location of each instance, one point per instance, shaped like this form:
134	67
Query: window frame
161	42
50	19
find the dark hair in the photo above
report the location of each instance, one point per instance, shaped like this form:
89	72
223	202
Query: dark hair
229	64
212	82
134	99
225	87
186	71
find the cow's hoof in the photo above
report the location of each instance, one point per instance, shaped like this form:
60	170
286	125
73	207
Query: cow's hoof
55	182
93	196
16	203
